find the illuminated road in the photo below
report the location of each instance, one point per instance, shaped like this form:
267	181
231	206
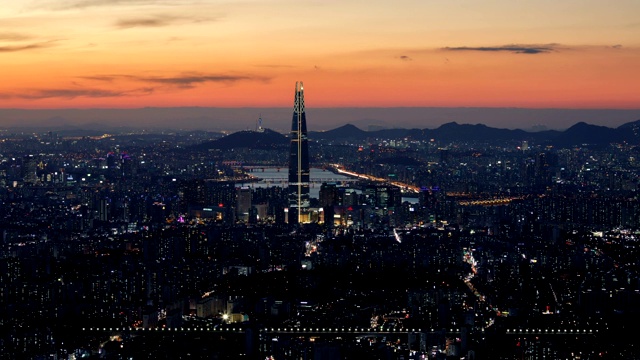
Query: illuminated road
341	170
488	202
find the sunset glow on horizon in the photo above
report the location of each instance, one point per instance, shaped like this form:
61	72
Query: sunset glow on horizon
408	53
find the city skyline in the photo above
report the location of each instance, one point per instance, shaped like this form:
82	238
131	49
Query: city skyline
158	200
458	243
88	54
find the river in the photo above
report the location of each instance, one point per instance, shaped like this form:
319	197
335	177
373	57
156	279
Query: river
278	176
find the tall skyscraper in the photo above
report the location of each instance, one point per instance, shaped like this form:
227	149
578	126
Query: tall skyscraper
243	203
298	161
30	164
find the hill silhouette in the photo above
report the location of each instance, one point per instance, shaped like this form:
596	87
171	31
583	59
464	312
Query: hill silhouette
580	134
265	140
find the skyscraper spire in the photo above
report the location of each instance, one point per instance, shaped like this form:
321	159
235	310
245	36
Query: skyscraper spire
298	161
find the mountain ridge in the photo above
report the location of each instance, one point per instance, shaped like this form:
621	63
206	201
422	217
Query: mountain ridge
580	134
225	119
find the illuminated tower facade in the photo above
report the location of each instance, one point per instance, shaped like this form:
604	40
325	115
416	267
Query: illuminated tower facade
299	162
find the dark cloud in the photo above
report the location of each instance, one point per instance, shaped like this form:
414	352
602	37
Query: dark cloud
82	4
60	93
16	48
9	36
275	66
190	80
156	21
518	49
99	77
405	58
184	81
37	94
156	83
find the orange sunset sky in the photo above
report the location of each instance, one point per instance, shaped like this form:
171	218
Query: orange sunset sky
349	53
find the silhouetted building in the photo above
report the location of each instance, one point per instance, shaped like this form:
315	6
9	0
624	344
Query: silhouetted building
298	161
28	169
243	203
383	196
208	192
329	195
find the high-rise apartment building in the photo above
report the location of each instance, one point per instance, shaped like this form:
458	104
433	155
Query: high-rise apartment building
298	161
28	169
243	203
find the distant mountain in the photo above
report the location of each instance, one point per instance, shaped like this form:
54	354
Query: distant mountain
396	133
447	132
580	134
320	119
630	125
479	132
267	139
345	132
631	131
586	134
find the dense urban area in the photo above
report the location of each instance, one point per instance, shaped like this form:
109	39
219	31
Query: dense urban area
175	244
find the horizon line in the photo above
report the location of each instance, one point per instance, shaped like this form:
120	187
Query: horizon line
323	107
321	118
